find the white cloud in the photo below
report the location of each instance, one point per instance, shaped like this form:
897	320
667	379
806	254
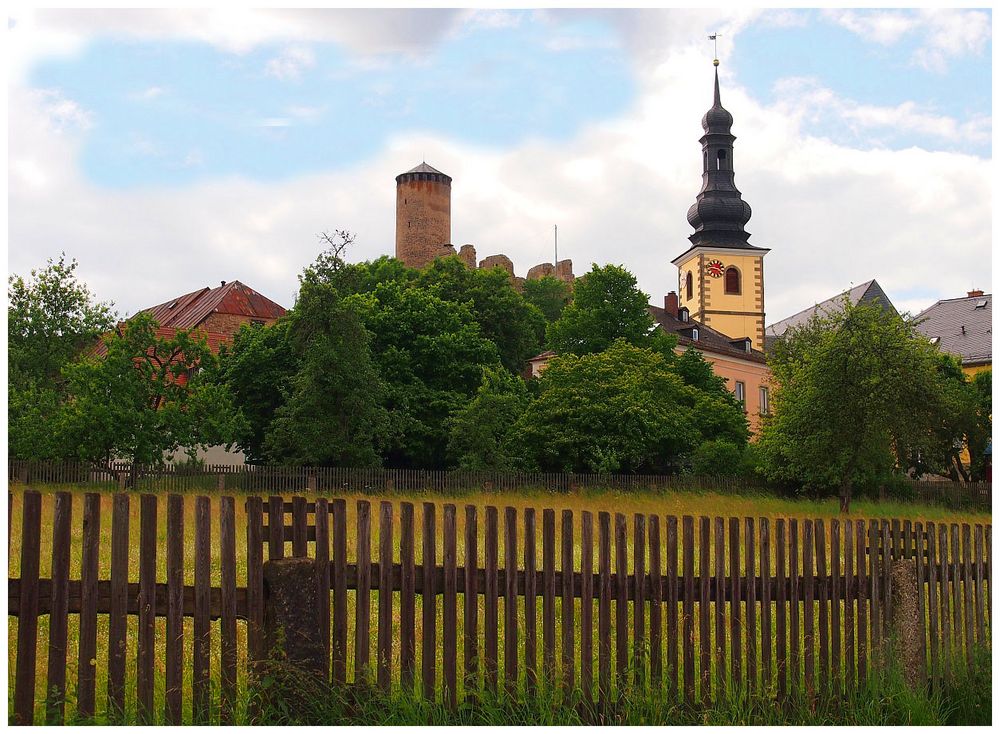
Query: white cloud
148	93
807	100
885	27
290	63
951	33
618	190
946	33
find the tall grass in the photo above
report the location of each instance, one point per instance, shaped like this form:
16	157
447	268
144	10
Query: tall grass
883	700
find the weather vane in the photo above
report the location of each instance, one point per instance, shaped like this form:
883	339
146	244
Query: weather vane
714	38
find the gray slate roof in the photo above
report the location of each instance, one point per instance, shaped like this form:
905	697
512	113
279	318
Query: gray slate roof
867	292
424	168
961	328
709	340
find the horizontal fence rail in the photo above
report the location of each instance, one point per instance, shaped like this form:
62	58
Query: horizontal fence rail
448	603
250	478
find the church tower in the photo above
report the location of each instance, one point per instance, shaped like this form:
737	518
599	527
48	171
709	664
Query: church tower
721	276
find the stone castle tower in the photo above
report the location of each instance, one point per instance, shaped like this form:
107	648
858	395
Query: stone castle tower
721	276
423	228
423	216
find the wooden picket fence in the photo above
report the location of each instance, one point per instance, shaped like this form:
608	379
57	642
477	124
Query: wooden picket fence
701	606
248	478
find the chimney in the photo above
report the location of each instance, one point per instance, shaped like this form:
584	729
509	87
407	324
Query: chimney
223	283
670	304
975	293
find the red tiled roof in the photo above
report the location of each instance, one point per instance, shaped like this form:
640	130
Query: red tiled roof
191	309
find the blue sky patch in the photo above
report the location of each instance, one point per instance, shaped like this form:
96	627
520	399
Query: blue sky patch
172	113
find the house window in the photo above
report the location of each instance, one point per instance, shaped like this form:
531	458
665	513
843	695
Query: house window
694	334
765	401
689	286
732	281
741	392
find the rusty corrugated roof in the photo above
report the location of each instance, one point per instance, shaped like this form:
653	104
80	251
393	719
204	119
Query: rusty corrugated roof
191	309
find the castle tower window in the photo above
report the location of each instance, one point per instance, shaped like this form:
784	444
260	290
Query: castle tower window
732	281
688	286
721	161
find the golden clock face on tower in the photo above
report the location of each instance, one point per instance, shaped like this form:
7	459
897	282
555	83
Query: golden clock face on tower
715	268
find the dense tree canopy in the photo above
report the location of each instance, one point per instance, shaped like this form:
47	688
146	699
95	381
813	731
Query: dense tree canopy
549	295
515	326
484	430
851	388
620	410
147	396
51	318
607	305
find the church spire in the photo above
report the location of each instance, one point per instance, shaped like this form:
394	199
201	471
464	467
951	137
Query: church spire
719	213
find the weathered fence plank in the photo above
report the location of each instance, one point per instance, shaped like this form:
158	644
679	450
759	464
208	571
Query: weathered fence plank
59	614
688	609
428	653
510	601
491	619
384	642
655	606
175	609
530	601
567	602
470	600
147	613
27	624
704	609
201	682
227	625
89	571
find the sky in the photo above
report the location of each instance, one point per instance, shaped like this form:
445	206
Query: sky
168	150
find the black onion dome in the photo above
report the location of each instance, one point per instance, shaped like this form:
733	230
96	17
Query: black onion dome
717	119
719	213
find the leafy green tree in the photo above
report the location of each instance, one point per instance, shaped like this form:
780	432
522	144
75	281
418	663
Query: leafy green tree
333	415
622	409
549	295
51	318
516	327
607	305
431	353
849	386
483	430
718	458
258	368
149	395
982	428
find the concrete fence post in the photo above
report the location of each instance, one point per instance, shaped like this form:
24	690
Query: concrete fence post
295	654
905	619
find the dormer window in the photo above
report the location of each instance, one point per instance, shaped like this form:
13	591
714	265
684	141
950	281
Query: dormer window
982	304
683	314
749	346
694	334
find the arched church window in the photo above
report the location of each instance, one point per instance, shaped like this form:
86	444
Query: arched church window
688	286
721	161
732	281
